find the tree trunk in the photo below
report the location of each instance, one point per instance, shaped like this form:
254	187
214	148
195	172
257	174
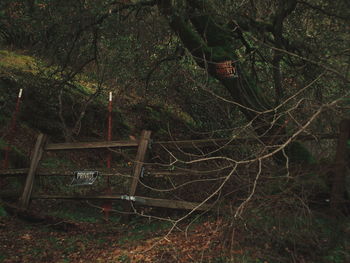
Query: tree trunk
213	45
341	159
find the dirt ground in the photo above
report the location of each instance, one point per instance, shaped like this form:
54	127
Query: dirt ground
139	241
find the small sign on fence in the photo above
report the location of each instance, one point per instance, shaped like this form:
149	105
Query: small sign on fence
84	178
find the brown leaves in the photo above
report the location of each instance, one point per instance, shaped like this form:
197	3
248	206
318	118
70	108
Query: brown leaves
110	243
26	237
200	243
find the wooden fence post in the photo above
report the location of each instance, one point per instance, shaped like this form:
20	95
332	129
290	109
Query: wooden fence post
36	156
140	157
338	182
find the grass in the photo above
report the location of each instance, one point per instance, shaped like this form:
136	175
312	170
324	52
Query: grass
14	60
124	258
52	163
39	108
3	144
20	70
2	211
16	156
78	212
285	235
263	236
140	229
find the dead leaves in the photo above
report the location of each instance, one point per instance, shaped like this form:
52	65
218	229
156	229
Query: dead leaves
26	237
102	243
199	243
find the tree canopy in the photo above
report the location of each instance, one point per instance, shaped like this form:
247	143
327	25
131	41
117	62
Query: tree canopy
279	52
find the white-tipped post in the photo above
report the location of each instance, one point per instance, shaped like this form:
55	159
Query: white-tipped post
20	93
110	96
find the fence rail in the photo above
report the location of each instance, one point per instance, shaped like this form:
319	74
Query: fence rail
139	162
90	145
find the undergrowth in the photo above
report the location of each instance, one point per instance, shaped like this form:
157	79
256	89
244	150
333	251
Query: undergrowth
288	234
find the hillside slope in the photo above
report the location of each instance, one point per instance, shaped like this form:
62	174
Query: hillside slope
41	109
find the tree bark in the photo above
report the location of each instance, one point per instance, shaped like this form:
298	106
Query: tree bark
212	44
339	179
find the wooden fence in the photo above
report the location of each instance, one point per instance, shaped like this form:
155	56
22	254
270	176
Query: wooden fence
134	172
141	145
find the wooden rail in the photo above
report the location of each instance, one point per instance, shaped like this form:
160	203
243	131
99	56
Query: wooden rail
112	172
235	140
147	201
90	145
64	172
135	172
176	144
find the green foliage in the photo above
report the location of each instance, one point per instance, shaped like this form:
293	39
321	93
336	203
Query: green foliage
124	259
312	185
18	71
157	116
80	213
3	144
298	153
139	226
2	211
223	260
52	163
284	234
10	60
16	156
336	255
140	229
40	105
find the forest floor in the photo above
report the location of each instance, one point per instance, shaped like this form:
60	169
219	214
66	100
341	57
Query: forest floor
140	240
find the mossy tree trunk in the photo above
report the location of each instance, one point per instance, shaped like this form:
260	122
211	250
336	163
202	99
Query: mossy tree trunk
213	45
